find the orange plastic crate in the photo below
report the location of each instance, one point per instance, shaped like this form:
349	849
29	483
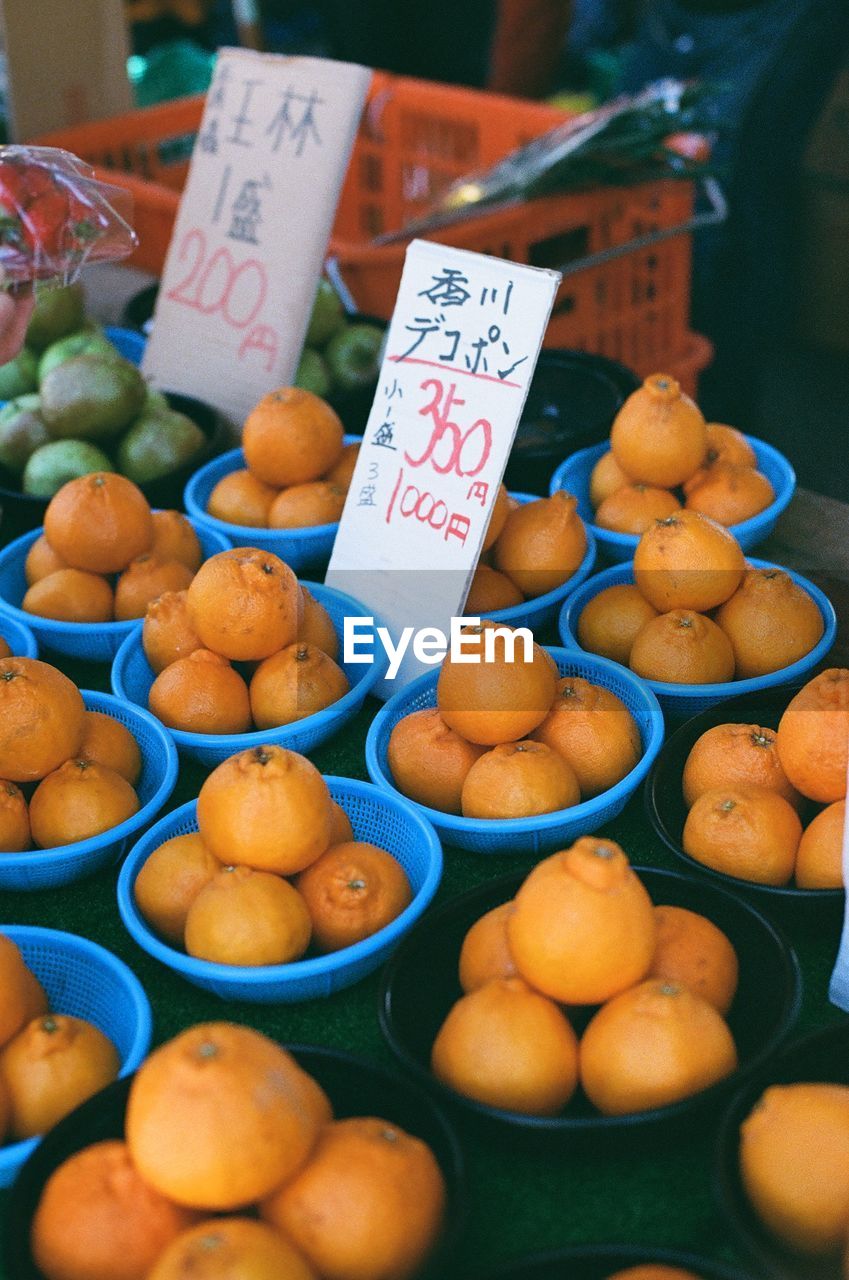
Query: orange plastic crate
414	139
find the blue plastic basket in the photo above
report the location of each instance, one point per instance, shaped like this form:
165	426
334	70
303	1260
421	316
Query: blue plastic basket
302	549
132	677
573	475
543	609
547	831
92	641
680	701
51	868
83	980
19	638
386	820
127	343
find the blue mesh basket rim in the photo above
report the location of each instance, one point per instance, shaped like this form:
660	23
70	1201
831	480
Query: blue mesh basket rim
744	531
624	573
130	343
13	1155
200	485
95	701
344	707
19	636
296	970
516	613
378	769
55	626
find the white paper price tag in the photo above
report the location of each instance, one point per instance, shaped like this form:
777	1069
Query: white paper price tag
460	354
253	226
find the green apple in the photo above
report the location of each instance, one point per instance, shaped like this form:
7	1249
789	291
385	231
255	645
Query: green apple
158	444
86	342
312	373
58	311
56	463
19	376
22	431
328	315
353	357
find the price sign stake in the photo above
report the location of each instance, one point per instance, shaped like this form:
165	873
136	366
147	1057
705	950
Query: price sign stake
460	354
253	226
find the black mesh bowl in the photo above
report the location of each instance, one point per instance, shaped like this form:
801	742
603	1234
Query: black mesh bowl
420	984
667	813
355	1087
572	401
822	1057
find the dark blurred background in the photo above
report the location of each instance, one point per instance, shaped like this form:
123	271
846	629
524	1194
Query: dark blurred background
771	286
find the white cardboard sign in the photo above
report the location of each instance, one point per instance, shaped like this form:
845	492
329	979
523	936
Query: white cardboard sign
460	354
838	991
253	226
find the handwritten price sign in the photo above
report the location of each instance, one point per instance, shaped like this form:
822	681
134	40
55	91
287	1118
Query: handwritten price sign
253	226
460	354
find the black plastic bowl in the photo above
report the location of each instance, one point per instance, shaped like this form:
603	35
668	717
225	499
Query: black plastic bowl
354	1086
138	312
572	401
22	512
600	1261
822	1057
664	802
420	985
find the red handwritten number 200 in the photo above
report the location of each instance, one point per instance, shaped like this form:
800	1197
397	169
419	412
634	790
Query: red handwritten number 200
468	451
217	283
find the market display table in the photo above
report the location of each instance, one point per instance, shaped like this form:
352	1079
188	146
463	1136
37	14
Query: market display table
524	1196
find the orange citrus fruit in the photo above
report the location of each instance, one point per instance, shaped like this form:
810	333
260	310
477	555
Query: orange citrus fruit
542	544
430	762
729	754
169	881
658	436
813	737
246	917
609	622
688	561
501	693
744	831
244	604
55	1063
485	952
351	891
771	621
241	498
583	926
682	647
201	693
694	953
651	1046
266	808
594	732
519	780
508	1047
79	800
71	595
369	1203
99	522
291	437
819	858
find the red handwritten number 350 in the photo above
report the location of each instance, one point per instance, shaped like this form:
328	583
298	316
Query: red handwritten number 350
217	283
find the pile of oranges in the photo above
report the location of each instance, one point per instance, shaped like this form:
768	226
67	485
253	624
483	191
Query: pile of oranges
508	737
582	931
104	555
243	606
84	764
794	1158
696	613
49	1062
744	787
298	467
529	549
223	1121
664	456
273	867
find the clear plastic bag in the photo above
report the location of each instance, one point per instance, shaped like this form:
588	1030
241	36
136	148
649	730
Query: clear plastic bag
55	216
